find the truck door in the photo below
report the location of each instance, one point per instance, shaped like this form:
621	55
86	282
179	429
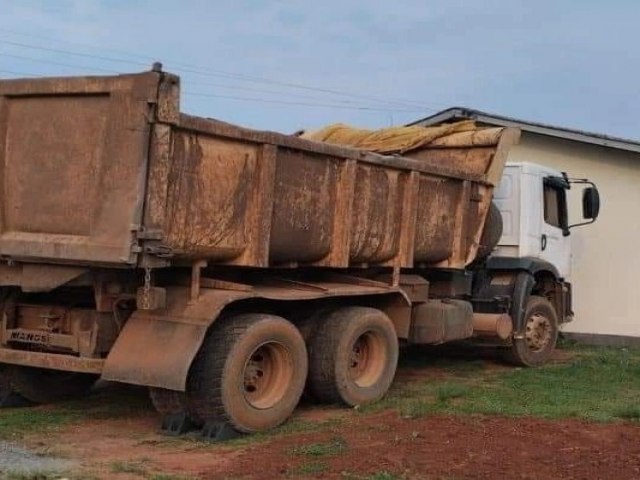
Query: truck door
554	243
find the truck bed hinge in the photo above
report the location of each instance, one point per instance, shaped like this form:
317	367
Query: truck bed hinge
162	251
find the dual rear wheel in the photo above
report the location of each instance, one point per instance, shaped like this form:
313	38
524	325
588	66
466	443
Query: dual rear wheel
353	356
252	369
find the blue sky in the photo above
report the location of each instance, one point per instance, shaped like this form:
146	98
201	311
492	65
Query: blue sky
294	64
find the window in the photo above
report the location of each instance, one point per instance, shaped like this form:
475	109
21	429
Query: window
555	204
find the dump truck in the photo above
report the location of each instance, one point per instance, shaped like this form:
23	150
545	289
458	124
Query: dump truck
229	270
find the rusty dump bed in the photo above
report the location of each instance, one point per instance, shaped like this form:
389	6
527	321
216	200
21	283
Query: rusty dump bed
106	171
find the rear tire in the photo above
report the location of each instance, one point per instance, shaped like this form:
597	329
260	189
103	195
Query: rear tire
250	372
353	356
40	385
540	336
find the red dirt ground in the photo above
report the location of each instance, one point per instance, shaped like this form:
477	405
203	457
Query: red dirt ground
430	448
464	447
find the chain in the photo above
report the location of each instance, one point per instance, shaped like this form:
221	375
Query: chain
146	289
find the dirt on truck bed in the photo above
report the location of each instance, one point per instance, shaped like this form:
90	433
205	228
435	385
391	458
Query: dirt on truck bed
427	428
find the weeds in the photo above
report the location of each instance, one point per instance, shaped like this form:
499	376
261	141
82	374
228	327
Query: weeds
334	447
32	476
309	468
382	475
598	384
137	468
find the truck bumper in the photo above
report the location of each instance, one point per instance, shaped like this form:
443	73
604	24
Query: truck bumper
52	361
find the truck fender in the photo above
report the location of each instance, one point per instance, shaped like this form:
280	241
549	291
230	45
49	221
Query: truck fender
533	275
523	285
527	264
156	348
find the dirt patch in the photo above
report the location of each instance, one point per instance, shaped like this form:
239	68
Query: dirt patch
133	448
445	447
118	436
361	446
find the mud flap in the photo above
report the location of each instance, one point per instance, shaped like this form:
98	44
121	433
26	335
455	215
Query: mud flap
154	352
156	348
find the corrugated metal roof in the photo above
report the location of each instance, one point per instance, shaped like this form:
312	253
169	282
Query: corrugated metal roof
458	113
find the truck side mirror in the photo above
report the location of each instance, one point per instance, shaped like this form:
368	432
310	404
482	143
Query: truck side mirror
590	203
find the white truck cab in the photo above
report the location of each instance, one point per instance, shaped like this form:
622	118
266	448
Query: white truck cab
527	235
533	202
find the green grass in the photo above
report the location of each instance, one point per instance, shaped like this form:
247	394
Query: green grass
290	427
137	468
31	476
628	412
334	447
141	469
167	476
382	475
309	468
19	421
450	391
599	384
46	475
114	403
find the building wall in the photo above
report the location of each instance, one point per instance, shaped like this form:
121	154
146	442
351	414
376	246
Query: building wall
606	255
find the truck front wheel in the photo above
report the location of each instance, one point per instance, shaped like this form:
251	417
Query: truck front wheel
540	334
353	356
250	373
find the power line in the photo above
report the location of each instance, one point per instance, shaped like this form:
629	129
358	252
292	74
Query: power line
220	73
270	92
76	54
78	44
217	85
325	105
344	104
13	72
249	78
52	62
250	99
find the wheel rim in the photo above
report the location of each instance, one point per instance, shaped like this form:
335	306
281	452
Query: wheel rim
538	334
367	359
267	375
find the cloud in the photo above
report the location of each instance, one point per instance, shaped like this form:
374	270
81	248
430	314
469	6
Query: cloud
564	62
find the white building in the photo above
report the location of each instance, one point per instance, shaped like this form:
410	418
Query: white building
606	255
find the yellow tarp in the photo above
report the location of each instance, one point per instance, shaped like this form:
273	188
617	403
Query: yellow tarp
386	140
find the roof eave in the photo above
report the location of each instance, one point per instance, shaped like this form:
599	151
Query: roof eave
574	135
